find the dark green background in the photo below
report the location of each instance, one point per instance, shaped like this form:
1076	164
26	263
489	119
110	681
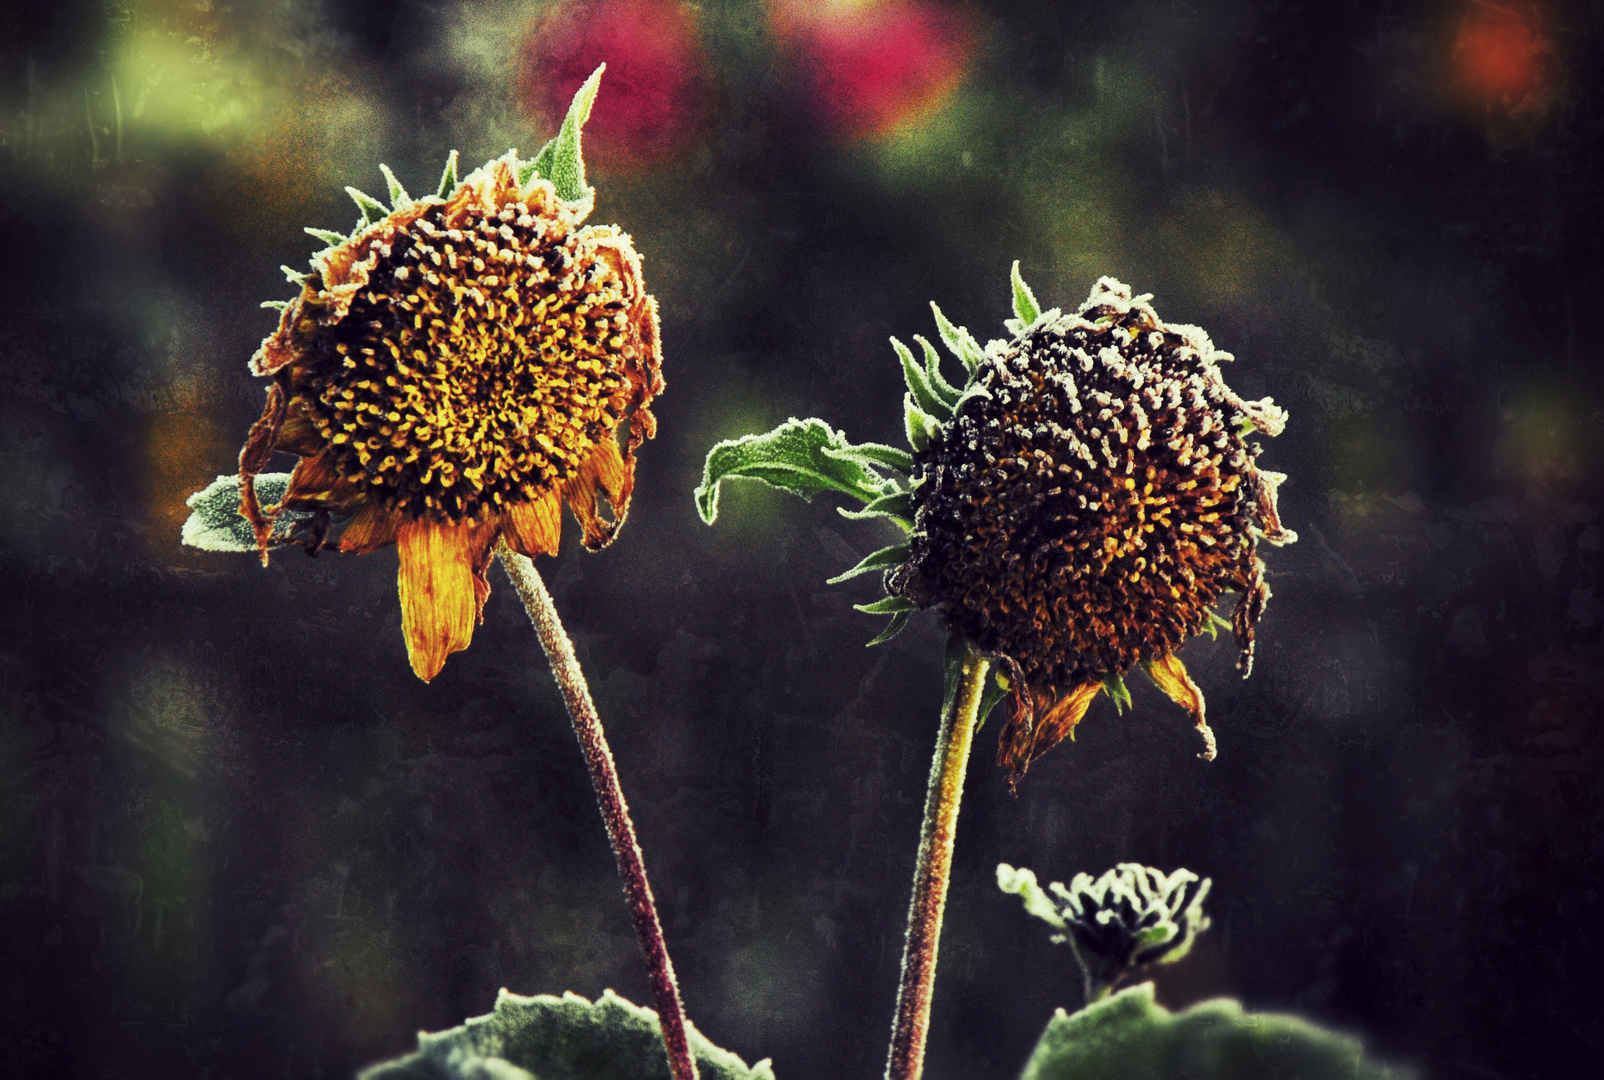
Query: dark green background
238	838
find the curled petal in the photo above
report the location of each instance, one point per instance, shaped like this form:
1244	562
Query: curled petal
1170	676
253	458
1245	619
481	543
438	602
375	526
535	527
603	473
1022	741
310	483
299	435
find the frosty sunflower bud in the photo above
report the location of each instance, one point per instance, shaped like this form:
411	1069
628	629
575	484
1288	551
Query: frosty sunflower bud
1090	499
1129	919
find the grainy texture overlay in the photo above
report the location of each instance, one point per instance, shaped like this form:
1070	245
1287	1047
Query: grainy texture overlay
239	838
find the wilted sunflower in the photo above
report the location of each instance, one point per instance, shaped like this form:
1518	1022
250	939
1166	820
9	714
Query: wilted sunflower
1075	508
1087	504
454	371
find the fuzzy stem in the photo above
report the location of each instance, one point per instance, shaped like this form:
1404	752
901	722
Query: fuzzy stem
615	812
907	1057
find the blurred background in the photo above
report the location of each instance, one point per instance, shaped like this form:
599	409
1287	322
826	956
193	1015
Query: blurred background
238	838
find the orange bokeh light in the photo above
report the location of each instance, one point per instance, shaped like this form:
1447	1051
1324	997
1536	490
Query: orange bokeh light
1499	55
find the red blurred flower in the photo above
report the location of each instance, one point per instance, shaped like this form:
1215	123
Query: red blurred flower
1499	55
868	66
655	94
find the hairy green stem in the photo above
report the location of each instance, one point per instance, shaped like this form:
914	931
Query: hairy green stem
908	1032
615	812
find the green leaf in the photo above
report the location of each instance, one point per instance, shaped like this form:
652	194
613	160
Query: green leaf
1130	1037
276	305
399	199
953	657
893	628
948	393
883	559
896	505
1215	625
448	179
1026	310
293	276
887	605
1114	686
527	170
372	209
918	425
215	524
874	455
560	160
566	1038
997	688
792	457
923	394
328	236
959	341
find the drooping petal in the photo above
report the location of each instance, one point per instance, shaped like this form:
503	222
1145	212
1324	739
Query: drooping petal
535	527
310	482
1169	675
375	526
253	458
438	605
603	473
1023	741
299	435
481	543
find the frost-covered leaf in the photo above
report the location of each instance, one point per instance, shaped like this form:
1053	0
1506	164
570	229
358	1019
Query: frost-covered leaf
215	524
566	1038
328	236
561	160
1114	686
874	455
399	199
448	179
800	456
372	209
1130	1037
960	341
884	559
948	393
1026	310
997	687
897	505
893	628
919	387
918	425
889	605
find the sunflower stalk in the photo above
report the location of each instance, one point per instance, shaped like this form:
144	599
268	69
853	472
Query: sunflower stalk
610	797
934	868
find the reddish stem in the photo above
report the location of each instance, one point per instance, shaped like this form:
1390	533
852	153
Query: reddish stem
614	810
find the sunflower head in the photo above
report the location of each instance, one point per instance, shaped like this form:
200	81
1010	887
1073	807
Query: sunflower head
453	371
1087	504
1075	508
